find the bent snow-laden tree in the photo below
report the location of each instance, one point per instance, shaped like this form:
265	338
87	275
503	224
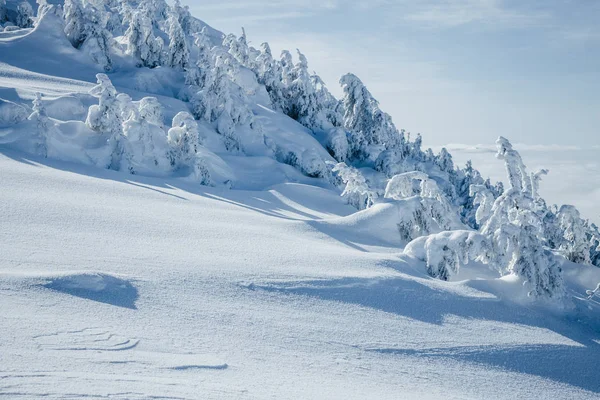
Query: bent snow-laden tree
516	230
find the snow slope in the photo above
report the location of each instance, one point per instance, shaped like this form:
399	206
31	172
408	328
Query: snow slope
114	286
122	286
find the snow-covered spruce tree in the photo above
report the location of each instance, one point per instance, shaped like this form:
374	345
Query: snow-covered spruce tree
187	22
517	173
178	54
483	198
43	125
332	107
301	98
225	103
516	231
357	191
106	119
532	261
25	15
269	74
575	244
237	47
370	130
146	147
183	142
142	44
85	27
3	11
204	56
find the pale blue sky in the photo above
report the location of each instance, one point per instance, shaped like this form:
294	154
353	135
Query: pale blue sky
458	71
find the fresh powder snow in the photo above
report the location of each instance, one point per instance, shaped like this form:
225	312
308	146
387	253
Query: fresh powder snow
187	216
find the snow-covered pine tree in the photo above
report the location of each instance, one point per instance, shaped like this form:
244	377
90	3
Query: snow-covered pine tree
301	98
85	27
187	22
75	22
146	147
575	244
142	44
357	191
43	125
3	11
178	54
370	130
516	230
269	73
531	261
106	119
25	15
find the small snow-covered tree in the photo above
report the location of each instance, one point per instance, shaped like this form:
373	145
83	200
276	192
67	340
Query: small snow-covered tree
337	144
357	191
141	41
183	142
517	173
575	244
128	109
43	125
484	199
24	15
446	252
178	55
531	261
536	178
146	147
106	118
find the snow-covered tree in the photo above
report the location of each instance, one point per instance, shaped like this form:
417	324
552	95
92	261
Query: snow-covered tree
141	41
183	142
225	103
178	55
517	173
516	231
106	118
75	22
445	252
337	144
269	74
531	261
146	148
3	11
85	27
43	125
484	199
536	178
575	244
25	15
357	191
237	47
370	129
187	22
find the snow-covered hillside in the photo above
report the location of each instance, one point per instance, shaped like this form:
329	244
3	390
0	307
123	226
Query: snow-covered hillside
186	216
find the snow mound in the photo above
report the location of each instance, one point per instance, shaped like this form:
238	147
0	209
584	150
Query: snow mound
100	287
